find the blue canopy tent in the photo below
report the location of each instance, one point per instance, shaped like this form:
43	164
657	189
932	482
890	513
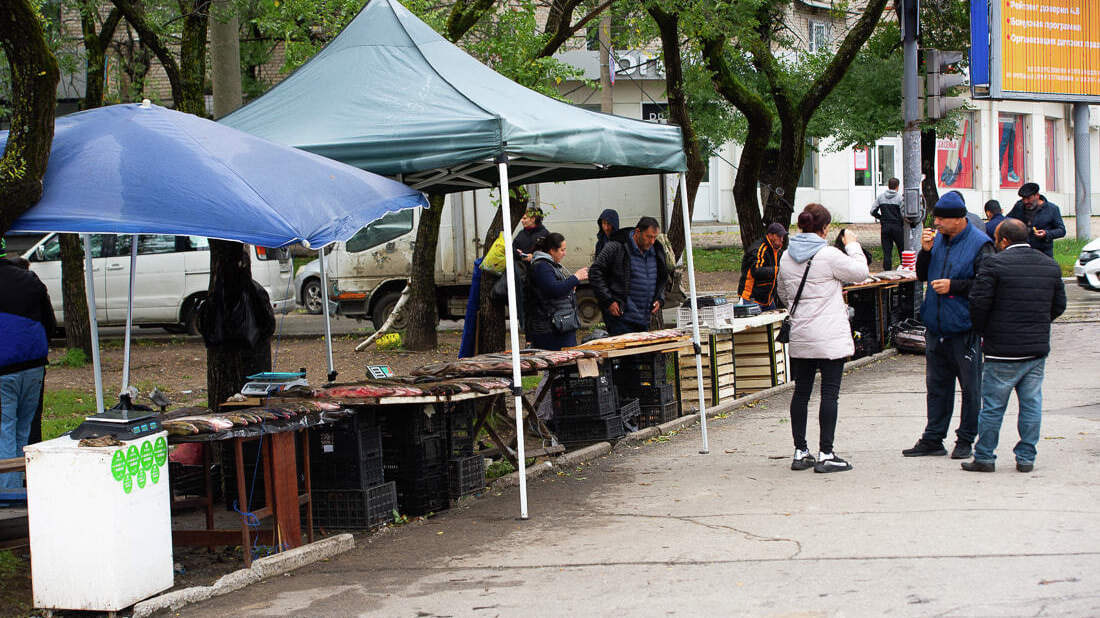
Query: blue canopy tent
390	95
144	169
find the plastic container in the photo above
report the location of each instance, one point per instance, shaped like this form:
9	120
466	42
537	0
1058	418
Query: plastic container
354	509
466	475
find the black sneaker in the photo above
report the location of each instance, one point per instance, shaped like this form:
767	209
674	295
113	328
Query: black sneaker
978	466
962	450
1024	467
829	462
803	460
924	448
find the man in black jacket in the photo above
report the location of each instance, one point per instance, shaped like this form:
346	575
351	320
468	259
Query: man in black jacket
1042	218
1017	294
887	210
629	277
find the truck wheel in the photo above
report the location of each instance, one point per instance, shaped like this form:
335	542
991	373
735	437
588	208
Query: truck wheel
588	309
311	297
382	309
191	321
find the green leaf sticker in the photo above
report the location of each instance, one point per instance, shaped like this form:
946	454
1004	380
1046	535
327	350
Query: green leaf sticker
141	479
118	465
128	484
154	474
160	451
133	461
146	455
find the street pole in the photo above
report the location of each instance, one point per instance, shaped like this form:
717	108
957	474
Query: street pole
910	145
1082	163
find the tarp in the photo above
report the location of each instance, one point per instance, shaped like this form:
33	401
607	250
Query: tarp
136	169
392	96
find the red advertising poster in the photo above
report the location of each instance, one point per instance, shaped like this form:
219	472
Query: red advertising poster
1011	150
954	158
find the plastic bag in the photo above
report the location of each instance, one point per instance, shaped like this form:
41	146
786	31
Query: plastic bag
494	261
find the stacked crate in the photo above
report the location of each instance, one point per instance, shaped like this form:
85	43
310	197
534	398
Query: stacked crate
347	478
415	456
868	321
585	409
465	469
758	360
718	372
644	377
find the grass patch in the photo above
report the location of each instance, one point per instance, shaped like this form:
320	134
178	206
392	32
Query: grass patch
727	259
63	410
9	564
74	357
1066	251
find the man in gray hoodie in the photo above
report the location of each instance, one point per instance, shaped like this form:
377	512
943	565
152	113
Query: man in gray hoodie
887	210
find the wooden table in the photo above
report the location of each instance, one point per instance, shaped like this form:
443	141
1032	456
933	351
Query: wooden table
878	306
738	359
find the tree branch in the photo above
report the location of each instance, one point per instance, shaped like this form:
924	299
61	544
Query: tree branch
845	54
132	12
563	30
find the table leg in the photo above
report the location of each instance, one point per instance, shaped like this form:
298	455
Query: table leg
242	501
308	483
283	469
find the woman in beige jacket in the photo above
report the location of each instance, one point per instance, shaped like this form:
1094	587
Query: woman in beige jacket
821	338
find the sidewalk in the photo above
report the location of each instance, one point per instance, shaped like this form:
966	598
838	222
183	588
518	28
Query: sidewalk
658	529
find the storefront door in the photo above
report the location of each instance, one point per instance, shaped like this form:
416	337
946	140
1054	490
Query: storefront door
871	169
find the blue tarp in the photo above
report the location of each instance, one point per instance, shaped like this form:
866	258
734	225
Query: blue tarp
131	169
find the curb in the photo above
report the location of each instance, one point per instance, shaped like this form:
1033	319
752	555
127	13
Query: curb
261	569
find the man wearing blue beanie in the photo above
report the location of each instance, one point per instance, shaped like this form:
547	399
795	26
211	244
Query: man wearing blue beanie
951	252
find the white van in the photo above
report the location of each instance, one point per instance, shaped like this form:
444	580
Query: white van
173	274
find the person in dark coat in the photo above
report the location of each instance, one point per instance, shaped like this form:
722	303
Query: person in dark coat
26	322
1043	219
609	224
629	277
950	256
760	268
531	230
994	216
1017	294
553	295
887	211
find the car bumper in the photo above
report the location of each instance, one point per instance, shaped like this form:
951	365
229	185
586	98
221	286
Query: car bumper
1088	275
285	305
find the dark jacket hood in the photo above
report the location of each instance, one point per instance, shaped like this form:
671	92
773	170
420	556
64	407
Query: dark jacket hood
611	216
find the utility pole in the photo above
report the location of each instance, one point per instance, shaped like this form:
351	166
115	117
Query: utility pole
607	99
1082	163
910	145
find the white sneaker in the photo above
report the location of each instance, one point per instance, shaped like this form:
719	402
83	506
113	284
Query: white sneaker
803	460
829	462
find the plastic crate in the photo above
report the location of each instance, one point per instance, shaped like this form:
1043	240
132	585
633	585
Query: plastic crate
461	418
345	441
715	316
410	424
590	430
466	475
427	457
601	405
354	509
645	369
346	473
650	395
650	416
420	494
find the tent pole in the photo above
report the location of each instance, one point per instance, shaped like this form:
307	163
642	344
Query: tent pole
129	313
328	322
513	321
694	309
89	293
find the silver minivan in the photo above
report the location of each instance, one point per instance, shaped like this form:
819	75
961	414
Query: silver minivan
173	273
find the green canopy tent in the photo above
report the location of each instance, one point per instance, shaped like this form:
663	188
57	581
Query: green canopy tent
392	96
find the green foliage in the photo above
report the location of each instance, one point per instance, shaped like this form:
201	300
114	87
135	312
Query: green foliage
498	469
63	410
718	260
9	564
1066	251
74	357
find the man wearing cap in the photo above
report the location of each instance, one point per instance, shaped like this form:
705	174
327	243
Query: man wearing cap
887	211
1042	218
949	259
760	268
26	321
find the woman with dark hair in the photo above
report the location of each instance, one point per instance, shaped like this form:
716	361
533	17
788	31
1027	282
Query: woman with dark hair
552	320
821	338
531	229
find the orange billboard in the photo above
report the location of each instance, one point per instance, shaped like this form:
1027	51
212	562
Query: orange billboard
1050	47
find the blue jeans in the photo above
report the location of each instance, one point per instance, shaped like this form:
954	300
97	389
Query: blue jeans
999	379
19	393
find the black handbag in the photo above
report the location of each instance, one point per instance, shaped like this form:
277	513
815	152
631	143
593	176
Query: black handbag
784	335
564	321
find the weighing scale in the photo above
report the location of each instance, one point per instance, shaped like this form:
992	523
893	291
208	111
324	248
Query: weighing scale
271	382
125	421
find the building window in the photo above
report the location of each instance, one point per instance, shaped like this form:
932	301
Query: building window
1011	150
819	36
955	157
861	163
1052	155
806	177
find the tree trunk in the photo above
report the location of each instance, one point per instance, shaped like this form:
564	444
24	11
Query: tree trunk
193	57
668	23
928	188
225	58
491	325
420	333
78	332
34	77
792	151
228	365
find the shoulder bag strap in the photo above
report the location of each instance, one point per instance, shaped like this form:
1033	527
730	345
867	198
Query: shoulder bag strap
801	286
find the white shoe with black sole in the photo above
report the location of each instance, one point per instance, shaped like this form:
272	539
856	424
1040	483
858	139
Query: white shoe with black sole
829	462
803	460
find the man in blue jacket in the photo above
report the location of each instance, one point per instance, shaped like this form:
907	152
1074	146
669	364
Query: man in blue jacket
629	278
1043	219
949	259
26	321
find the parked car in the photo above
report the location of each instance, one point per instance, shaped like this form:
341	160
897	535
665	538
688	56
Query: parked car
173	274
1087	268
307	286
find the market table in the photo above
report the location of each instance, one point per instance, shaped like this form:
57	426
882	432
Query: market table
877	306
741	356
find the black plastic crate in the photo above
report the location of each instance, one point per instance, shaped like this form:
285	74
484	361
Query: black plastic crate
570	379
354	509
427	457
345	473
410	424
466	475
346	440
650	416
643	369
461	419
420	494
590	430
602	404
650	395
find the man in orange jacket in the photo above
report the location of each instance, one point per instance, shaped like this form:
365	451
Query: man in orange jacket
760	268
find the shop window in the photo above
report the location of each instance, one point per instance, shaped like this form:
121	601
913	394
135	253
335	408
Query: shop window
955	157
1011	150
1051	155
819	36
862	166
806	176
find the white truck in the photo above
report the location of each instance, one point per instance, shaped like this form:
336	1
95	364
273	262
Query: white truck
368	272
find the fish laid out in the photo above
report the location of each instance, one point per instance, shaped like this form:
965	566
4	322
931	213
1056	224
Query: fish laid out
631	339
186	422
410	387
501	363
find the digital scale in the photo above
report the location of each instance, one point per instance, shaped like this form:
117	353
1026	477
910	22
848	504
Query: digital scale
272	382
125	421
